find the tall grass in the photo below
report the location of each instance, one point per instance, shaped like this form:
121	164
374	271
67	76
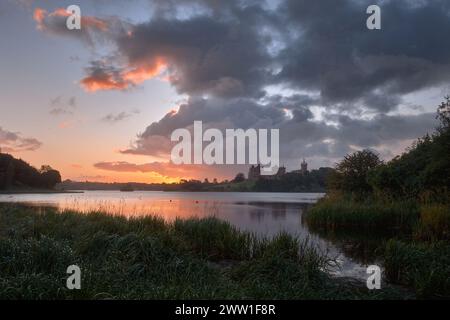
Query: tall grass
434	223
418	257
424	266
333	212
215	239
148	258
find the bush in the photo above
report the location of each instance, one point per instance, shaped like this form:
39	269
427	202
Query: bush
351	174
434	223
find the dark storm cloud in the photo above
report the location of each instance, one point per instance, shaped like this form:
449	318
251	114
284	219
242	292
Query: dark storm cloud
233	48
204	55
384	129
217	113
317	139
300	135
337	55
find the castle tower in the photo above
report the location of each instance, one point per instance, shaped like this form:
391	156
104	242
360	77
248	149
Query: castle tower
254	172
304	167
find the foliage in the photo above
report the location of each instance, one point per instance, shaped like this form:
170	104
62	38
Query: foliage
49	177
424	169
410	193
313	181
434	223
425	267
240	177
338	212
16	173
351	174
443	114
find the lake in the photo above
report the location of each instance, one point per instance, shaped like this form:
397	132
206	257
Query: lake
263	213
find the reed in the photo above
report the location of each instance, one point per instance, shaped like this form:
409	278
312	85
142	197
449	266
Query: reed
335	212
423	266
149	258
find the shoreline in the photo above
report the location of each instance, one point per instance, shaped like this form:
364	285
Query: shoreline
12	192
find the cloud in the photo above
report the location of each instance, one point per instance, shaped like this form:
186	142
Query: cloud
236	49
335	54
217	113
229	59
104	77
263	64
169	170
112	118
205	54
14	142
59	107
322	141
55	22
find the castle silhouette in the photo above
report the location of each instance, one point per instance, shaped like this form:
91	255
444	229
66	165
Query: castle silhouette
254	173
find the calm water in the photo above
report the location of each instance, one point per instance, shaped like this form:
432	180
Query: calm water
262	213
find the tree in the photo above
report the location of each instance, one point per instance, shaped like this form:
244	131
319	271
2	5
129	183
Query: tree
351	174
240	177
6	171
9	175
45	168
424	169
18	173
50	178
443	114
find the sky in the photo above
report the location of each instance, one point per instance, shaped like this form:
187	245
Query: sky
100	103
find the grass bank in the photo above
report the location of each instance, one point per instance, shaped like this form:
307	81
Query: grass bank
338	212
416	252
148	258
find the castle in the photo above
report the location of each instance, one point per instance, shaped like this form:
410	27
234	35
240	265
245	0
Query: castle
254	173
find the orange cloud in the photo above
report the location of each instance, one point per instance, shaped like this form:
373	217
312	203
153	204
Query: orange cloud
40	16
105	82
140	74
102	78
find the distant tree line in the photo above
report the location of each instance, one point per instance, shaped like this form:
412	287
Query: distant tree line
311	181
16	173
